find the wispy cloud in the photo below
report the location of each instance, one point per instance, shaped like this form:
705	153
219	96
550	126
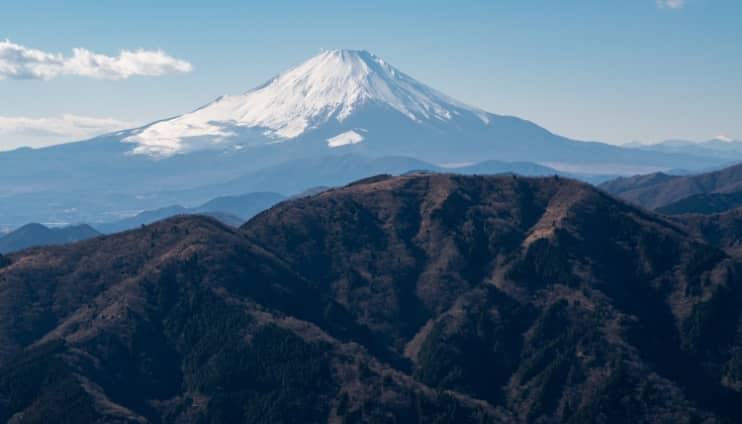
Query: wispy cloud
670	4
39	132
20	62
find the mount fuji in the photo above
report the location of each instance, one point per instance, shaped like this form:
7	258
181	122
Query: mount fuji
348	110
330	98
354	101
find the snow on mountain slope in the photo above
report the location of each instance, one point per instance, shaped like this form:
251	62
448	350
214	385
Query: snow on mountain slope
350	137
328	87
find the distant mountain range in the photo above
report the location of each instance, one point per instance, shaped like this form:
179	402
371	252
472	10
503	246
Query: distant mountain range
421	298
337	170
234	207
230	210
708	192
338	103
723	148
100	207
39	235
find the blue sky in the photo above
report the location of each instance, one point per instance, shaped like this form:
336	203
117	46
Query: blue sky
607	70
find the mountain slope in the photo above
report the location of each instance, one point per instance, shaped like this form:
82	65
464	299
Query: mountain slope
704	204
622	185
355	101
328	87
142	218
186	321
437	263
38	235
658	190
421	298
723	230
243	206
228	209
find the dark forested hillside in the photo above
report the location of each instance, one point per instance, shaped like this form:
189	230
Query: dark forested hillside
708	192
422	298
704	203
187	321
723	230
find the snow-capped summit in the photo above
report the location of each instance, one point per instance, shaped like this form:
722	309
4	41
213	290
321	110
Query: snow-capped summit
327	89
349	101
723	139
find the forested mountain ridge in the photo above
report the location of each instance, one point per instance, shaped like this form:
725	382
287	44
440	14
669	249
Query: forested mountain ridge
421	298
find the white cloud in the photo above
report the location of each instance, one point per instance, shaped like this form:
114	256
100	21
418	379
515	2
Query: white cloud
39	132
19	62
670	4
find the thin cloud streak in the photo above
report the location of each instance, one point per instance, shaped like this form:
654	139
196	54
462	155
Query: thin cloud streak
671	4
20	62
39	132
